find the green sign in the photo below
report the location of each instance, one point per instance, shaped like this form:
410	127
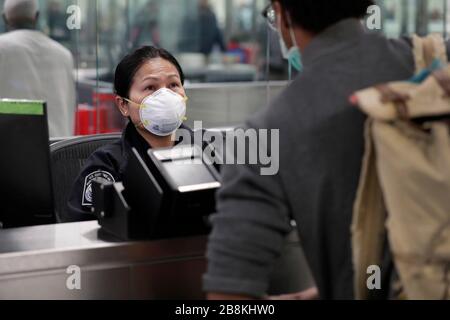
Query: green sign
22	107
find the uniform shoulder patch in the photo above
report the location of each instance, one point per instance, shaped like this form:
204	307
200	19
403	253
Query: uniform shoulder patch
87	189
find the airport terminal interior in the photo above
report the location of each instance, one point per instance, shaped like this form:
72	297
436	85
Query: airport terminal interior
145	237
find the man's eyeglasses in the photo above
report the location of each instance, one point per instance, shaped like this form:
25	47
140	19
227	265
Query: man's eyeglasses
271	17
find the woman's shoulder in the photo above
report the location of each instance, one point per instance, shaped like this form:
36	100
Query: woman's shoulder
110	153
103	164
110	149
108	157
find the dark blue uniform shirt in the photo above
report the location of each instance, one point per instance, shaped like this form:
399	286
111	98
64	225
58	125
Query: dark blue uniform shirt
108	163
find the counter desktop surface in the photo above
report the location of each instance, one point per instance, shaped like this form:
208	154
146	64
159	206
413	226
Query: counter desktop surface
36	263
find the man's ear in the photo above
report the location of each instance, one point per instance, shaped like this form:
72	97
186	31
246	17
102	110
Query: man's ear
281	12
123	106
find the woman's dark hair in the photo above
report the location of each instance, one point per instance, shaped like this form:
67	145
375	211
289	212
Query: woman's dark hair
317	15
127	68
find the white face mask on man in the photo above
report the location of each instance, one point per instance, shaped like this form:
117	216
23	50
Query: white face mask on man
163	112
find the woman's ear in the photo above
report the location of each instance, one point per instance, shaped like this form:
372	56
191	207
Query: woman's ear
123	106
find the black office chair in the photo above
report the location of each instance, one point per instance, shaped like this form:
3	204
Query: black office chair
68	158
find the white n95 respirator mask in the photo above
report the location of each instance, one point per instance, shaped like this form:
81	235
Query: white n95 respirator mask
163	112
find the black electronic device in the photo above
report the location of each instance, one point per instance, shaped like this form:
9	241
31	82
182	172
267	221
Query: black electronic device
169	193
26	189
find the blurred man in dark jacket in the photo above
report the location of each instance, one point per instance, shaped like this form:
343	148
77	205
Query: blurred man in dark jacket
201	32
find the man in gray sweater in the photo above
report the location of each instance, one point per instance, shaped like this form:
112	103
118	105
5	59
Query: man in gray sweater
321	150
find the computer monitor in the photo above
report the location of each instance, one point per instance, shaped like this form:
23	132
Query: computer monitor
190	184
167	193
25	190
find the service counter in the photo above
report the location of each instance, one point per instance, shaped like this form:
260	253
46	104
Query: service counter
36	263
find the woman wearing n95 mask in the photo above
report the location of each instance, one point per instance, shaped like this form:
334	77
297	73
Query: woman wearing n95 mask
149	92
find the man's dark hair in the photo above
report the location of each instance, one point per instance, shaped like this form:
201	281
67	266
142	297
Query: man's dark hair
317	15
130	64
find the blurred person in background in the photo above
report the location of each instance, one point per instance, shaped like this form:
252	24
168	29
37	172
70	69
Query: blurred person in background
146	30
243	16
56	17
35	67
201	33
